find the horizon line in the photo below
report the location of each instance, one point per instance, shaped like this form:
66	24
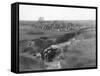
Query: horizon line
58	20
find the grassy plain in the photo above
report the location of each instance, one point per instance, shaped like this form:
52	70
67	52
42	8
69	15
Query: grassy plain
78	55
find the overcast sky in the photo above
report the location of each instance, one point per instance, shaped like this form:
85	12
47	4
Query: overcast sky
32	12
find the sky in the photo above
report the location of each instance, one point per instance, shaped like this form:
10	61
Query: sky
33	12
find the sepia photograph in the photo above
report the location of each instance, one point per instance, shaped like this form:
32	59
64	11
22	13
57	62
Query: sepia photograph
54	38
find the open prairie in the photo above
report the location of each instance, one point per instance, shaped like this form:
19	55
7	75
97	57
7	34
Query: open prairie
35	36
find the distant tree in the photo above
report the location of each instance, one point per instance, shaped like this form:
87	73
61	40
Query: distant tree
41	18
